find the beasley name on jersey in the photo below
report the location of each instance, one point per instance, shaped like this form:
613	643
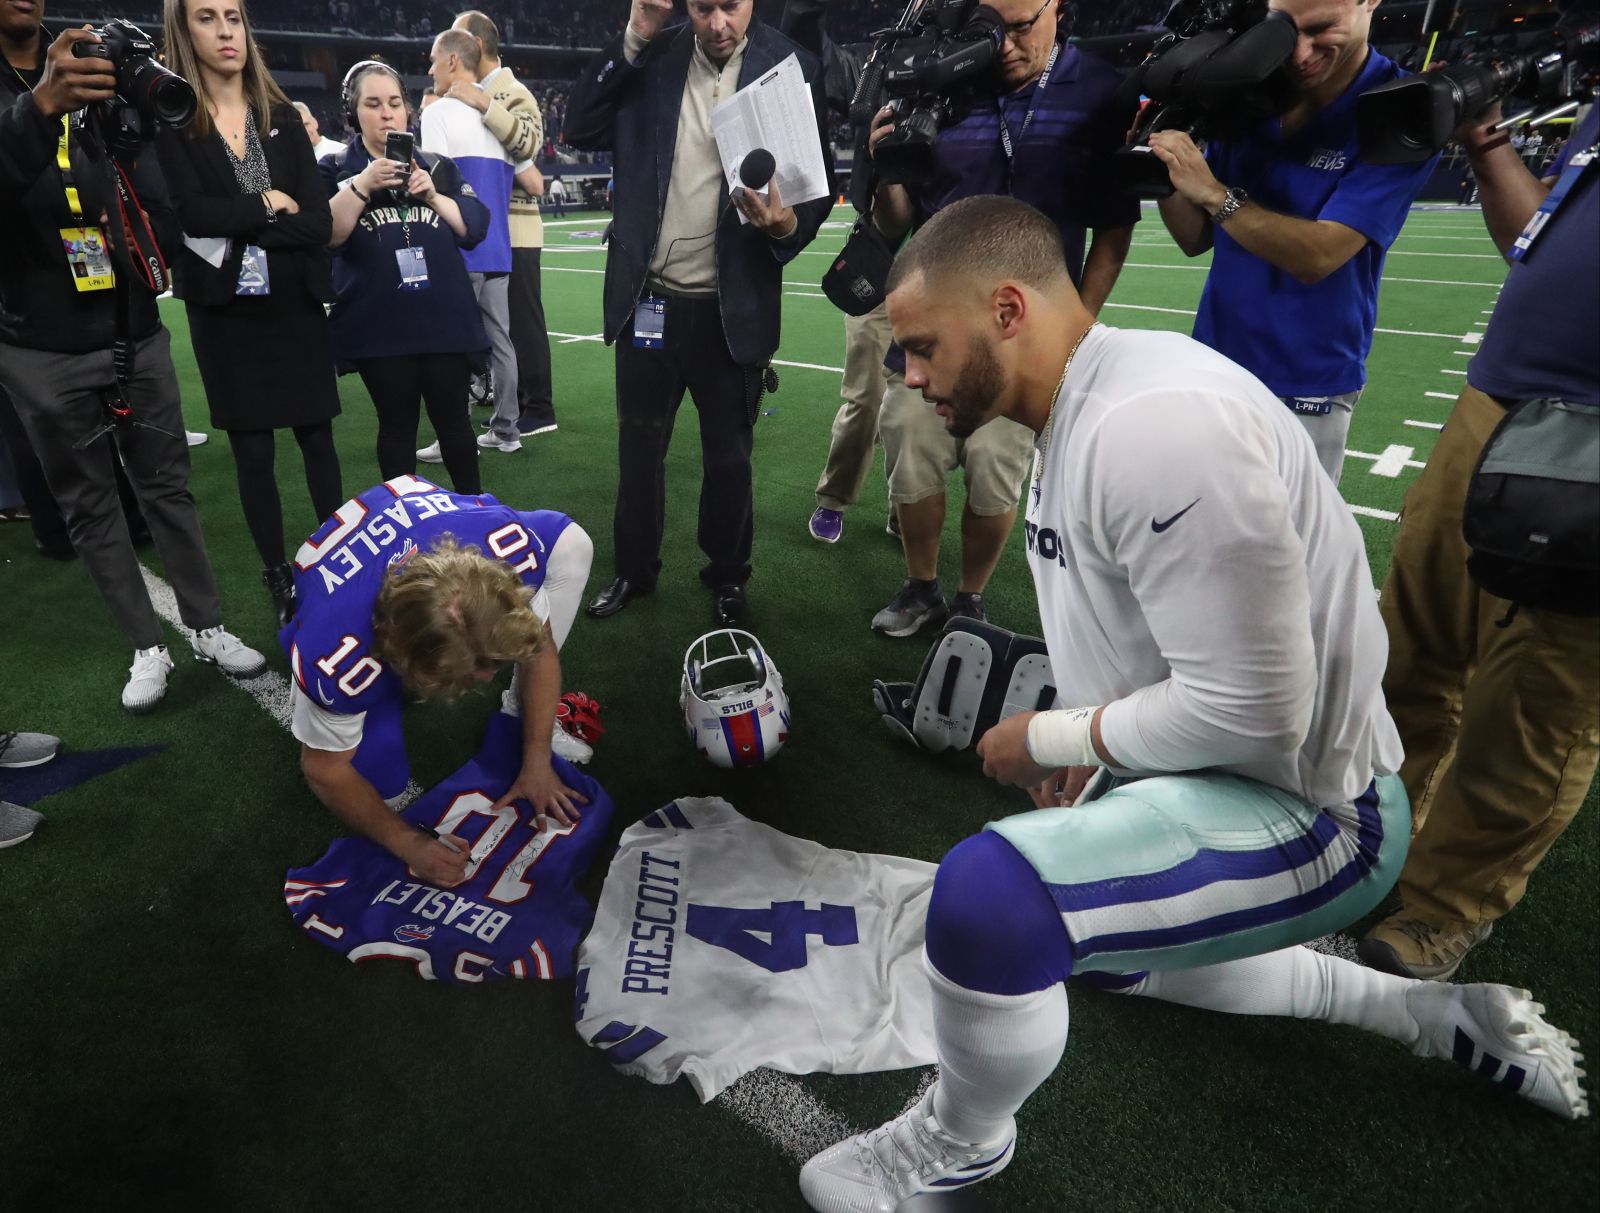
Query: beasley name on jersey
518	914
721	945
339	571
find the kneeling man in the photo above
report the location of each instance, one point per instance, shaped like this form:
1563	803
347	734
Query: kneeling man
1213	630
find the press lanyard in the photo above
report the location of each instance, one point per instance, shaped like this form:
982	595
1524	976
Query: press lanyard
63	155
1579	164
1027	118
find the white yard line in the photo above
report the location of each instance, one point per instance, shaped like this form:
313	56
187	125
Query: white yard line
1442	395
1394	460
1366	511
1425	425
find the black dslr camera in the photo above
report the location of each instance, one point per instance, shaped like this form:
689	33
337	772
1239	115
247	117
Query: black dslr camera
924	66
148	95
1406	121
1221	70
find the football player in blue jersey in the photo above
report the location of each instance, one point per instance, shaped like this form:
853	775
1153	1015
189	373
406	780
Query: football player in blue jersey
411	588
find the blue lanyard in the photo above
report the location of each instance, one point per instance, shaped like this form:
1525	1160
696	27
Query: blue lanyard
1005	127
1576	167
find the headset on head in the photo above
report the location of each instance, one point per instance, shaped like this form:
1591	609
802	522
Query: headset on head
353	77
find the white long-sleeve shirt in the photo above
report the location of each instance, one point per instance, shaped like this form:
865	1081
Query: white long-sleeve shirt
1200	576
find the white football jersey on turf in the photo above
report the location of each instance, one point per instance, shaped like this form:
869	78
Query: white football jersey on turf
721	945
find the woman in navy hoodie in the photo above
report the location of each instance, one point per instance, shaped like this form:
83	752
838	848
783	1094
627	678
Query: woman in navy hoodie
405	318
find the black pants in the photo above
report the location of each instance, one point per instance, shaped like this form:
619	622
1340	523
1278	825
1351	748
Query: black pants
399	387
253	456
49	524
530	338
650	387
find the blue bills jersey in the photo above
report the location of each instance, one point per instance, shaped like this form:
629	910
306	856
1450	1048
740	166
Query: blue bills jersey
338	573
518	915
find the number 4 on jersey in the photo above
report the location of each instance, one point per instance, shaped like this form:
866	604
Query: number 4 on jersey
787	924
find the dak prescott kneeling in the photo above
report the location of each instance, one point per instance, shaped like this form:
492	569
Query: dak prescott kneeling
1211	622
409	587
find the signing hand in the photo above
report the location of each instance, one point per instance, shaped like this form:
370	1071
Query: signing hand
471	94
1186	166
1061	788
420	185
1004	750
433	860
647	18
770	215
539	785
69	83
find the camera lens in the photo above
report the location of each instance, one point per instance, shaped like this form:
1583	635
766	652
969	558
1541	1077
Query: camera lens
167	97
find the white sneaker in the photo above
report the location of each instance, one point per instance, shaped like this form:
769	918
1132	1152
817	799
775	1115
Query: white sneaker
874	1172
147	678
1500	1033
430	454
228	653
564	745
195	438
491	441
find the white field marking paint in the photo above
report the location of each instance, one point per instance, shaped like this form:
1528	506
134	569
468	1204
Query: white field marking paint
270	689
1488	311
1451	370
1443	395
806	294
1471	338
1425	425
1145	307
1366	511
1393	461
570	269
785	1113
569	338
1440	282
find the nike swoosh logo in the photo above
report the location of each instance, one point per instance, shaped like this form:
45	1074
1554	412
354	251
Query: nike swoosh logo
326	702
1158	527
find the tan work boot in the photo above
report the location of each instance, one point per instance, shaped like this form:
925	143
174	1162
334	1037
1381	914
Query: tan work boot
1409	946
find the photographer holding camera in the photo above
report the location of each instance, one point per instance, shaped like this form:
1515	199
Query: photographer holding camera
1043	132
1300	226
82	348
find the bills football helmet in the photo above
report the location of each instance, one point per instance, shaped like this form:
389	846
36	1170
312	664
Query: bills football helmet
732	699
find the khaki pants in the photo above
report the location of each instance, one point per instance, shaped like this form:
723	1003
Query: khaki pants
855	425
1501	724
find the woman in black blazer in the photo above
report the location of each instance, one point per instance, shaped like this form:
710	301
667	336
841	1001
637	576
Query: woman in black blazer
254	273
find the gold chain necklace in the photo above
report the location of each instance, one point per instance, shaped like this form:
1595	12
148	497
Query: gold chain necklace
1050	419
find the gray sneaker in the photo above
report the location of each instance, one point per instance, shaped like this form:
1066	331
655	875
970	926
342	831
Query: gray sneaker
912	609
16	824
27	749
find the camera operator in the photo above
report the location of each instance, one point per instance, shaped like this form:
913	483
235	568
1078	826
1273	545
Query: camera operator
1497	707
60	299
1044	136
1300	226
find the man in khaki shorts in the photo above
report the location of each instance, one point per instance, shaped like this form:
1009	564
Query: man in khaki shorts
1043	133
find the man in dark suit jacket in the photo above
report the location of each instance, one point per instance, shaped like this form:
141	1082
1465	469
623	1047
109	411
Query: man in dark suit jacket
692	295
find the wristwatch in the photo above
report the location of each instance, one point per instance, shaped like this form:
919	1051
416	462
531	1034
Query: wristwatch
1235	198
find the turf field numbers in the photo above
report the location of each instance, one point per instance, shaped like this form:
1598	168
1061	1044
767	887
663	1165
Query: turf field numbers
787	924
359	676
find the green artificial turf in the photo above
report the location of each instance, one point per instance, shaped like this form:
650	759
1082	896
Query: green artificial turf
168	1039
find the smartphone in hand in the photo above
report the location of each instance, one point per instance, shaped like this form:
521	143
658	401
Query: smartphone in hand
400	146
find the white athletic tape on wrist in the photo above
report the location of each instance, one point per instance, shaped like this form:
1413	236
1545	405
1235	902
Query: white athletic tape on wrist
1063	738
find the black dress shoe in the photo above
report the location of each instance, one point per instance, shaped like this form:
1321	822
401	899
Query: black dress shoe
729	606
280	585
56	549
614	597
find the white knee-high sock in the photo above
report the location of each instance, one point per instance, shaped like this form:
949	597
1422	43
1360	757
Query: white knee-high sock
1294	982
994	1051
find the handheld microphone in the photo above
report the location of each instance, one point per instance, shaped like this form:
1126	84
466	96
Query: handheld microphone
756	169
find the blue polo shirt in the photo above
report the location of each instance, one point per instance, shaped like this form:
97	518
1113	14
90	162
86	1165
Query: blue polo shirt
1305	340
1541	339
1061	164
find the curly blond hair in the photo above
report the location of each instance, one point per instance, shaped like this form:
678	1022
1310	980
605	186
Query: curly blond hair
445	614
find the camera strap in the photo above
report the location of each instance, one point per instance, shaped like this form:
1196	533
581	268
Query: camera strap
1577	166
1027	118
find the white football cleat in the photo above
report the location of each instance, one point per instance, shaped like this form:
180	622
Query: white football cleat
874	1172
1500	1033
228	653
147	678
564	745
